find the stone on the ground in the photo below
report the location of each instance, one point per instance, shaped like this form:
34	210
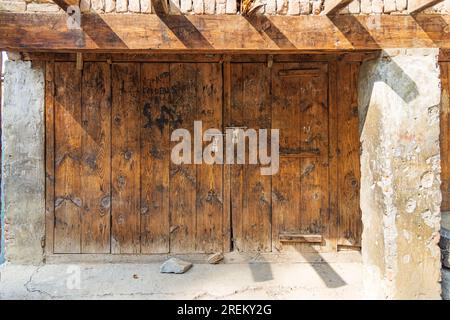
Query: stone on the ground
175	265
215	258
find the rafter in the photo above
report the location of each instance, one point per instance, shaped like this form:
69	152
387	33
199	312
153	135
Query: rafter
160	6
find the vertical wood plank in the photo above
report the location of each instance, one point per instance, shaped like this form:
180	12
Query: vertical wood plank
226	229
286	187
286	200
209	177
251	192
314	206
350	224
333	214
49	157
68	135
444	136
96	158
183	177
125	209
300	110
286	93
258	189
155	157
236	171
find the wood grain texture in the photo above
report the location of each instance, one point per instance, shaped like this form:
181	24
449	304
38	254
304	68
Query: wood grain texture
155	157
209	176
251	192
193	57
95	170
301	238
226	227
123	32
350	225
68	154
115	187
125	168
49	156
301	190
333	214
183	177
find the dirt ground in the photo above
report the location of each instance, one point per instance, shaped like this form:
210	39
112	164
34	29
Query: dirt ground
255	279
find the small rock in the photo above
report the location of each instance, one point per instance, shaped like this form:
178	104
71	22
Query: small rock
215	258
175	265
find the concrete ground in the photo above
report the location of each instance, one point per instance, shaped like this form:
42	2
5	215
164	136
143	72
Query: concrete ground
253	279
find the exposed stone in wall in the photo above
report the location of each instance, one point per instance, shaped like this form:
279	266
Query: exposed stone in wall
399	101
13	6
23	174
270	7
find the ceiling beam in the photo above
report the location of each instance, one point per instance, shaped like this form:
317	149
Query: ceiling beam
416	6
221	33
160	6
332	7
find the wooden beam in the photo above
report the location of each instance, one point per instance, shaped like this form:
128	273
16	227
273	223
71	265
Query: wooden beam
221	33
160	6
416	6
301	238
333	6
444	55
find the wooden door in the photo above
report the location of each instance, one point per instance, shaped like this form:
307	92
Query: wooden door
301	203
251	193
292	206
445	136
115	188
111	186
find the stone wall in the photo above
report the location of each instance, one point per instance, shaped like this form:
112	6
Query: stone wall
23	173
280	7
399	101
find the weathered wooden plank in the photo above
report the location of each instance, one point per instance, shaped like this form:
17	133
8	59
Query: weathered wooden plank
209	176
314	72
286	188
49	155
222	32
195	57
155	157
333	6
301	189
301	238
235	118
286	191
251	194
68	136
96	158
350	225
125	142
333	214
416	6
314	134
183	177
444	136
160	6
226	227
